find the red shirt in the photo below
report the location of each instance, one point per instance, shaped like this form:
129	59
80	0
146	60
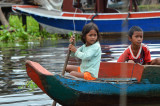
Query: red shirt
143	55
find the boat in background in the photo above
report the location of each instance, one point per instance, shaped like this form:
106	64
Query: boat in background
109	20
138	84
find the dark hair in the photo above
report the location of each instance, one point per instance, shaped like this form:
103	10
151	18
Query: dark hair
132	29
87	28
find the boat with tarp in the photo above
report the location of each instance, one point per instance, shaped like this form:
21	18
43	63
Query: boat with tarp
64	16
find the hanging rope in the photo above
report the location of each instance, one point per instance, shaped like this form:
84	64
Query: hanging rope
96	14
74	20
131	80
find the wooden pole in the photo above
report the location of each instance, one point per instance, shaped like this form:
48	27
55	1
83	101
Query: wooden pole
24	21
40	27
135	5
66	62
3	19
65	65
130	6
68	55
123	93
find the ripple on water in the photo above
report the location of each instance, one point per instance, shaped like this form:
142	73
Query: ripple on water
51	56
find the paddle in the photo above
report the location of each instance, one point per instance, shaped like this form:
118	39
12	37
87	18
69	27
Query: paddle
68	55
67	58
65	64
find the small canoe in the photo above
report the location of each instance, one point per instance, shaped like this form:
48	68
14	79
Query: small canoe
135	82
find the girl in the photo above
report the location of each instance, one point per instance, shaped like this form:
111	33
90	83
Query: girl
137	52
89	53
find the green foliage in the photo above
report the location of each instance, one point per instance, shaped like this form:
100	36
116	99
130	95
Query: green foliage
77	36
148	7
70	34
18	32
5	35
29	85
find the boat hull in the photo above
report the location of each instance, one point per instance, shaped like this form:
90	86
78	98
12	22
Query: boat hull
105	26
77	92
95	94
107	22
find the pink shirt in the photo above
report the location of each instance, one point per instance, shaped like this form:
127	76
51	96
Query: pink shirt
143	55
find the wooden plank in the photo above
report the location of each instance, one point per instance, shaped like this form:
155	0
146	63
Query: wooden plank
6	4
120	70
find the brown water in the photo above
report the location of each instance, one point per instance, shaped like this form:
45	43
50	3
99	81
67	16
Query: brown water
50	55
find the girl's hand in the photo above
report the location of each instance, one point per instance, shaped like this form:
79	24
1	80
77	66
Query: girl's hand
72	48
72	39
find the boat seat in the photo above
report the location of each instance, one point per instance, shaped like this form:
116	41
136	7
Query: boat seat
111	10
120	70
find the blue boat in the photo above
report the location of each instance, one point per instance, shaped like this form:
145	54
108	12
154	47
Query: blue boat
136	83
109	20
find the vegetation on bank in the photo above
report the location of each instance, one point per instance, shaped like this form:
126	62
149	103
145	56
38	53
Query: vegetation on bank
17	31
149	7
17	35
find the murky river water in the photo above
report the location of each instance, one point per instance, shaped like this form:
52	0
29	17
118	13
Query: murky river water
51	55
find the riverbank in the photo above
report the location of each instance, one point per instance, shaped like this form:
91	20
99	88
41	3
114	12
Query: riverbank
18	32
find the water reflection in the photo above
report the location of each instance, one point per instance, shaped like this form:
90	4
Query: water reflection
50	55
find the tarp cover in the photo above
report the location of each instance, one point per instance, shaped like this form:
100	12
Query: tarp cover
50	4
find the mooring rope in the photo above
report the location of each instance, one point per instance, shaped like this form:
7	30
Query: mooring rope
74	20
130	79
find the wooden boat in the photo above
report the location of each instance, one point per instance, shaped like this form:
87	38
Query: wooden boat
109	20
137	83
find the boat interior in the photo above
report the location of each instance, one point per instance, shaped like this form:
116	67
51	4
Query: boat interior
108	72
99	6
87	6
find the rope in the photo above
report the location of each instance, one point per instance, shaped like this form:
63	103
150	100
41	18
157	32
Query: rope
87	19
128	84
132	70
94	17
74	20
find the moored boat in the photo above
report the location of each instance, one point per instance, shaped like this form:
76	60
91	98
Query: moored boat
138	83
108	20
